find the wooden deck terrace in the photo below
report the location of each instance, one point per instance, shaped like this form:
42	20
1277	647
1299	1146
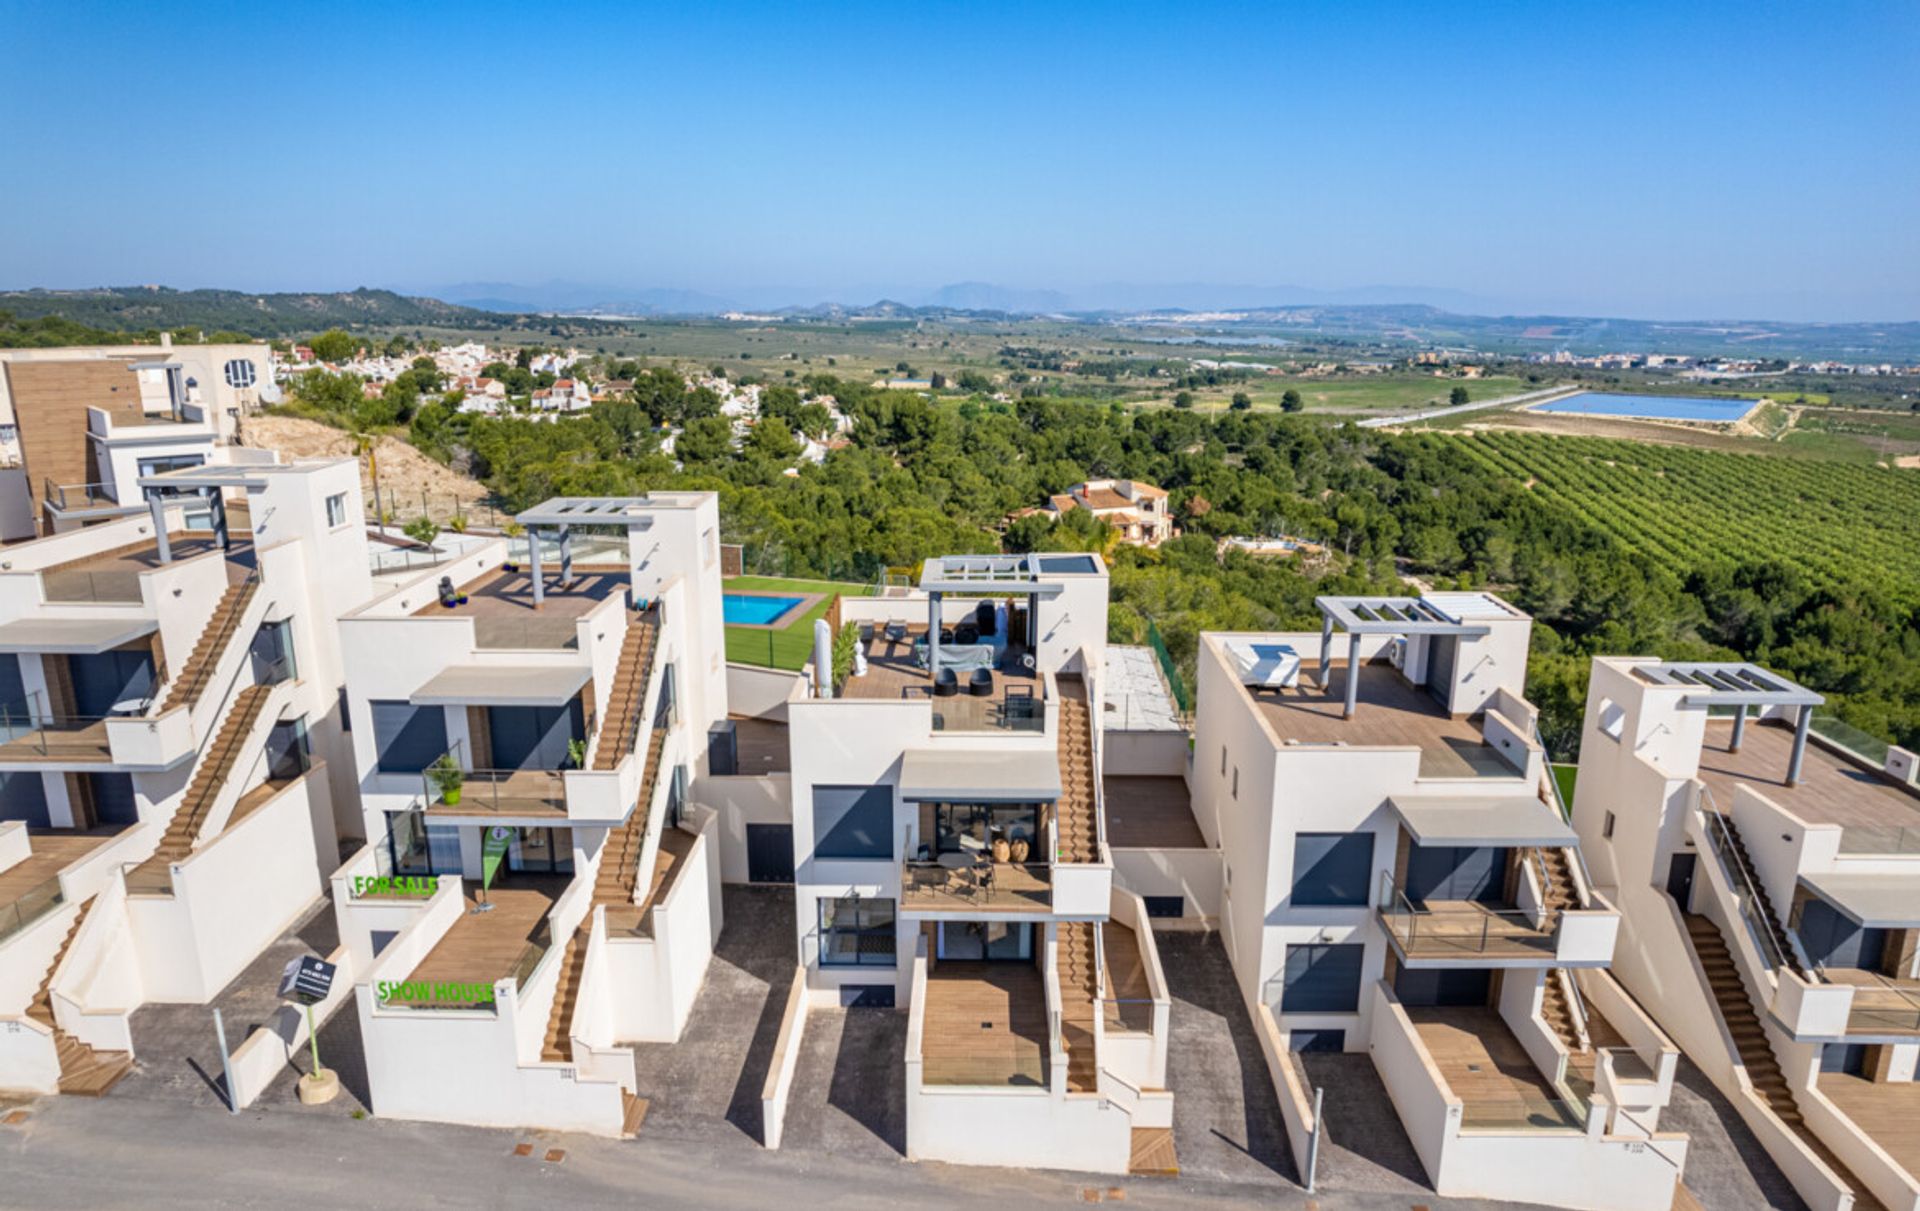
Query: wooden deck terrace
501	605
986	887
1887	1112
1489	1071
1149	811
1876	815
1389	712
1465	929
985	1024
482	947
892	673
53	850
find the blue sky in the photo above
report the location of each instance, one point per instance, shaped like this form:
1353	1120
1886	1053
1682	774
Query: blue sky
1660	160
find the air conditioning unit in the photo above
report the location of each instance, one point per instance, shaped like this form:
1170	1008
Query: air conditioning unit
1397	653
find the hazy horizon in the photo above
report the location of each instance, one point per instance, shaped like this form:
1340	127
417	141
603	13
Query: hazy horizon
1632	161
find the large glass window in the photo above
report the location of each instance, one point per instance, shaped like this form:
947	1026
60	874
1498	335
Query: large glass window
240	372
1322	979
406	738
853	822
974	827
856	931
1332	868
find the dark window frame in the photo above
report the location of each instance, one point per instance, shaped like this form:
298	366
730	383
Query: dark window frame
866	930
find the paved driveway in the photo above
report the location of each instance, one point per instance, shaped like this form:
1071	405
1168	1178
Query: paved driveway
713	1076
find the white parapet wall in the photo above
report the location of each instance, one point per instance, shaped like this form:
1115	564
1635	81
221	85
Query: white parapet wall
786	1062
654	980
268	1051
231	898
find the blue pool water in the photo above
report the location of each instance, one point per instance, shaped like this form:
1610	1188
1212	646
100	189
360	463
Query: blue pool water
1657	407
753	609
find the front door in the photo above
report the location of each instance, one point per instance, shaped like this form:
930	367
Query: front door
543	851
986	941
769	853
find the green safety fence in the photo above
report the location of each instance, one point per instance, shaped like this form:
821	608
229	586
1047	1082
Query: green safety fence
1174	681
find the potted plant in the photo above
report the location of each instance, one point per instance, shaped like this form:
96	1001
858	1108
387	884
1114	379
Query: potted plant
447	778
576	754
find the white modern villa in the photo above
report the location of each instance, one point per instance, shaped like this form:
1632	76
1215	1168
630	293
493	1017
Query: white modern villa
537	891
1399	880
1770	883
169	690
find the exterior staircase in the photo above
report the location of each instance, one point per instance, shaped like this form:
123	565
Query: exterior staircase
626	703
1772	919
1559	1015
614	886
555	1048
216	765
1560	892
83	1070
1079	1001
1730	995
1074	816
191	682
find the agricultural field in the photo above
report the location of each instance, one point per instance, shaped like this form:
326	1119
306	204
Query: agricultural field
1400	391
1687	508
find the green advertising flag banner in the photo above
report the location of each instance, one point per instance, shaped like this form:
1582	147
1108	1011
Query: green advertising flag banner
493	849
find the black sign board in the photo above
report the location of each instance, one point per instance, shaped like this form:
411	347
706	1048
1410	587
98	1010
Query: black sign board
306	980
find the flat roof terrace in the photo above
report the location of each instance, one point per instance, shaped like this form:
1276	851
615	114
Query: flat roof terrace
1146	811
1389	712
893	673
501	606
115	575
1876	816
1887	1112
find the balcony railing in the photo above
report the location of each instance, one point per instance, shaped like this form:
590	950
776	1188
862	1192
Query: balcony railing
1884	1010
981	884
1464	930
36	902
1523	1113
29	727
70	497
78	584
1013	711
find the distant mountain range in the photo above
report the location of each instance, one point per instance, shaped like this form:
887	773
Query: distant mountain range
136	309
563	310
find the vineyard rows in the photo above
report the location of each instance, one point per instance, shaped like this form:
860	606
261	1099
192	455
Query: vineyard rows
1684	507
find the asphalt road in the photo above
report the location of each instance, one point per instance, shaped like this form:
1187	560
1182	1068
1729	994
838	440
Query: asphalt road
122	1152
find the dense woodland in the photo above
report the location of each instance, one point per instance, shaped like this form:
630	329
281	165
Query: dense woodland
925	477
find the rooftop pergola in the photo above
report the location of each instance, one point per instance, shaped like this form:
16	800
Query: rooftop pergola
979	576
563	513
207	482
1740	685
1396	616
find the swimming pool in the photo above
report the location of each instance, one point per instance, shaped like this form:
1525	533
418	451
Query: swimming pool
1652	407
755	609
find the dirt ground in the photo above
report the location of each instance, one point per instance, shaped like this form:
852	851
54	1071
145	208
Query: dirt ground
410	482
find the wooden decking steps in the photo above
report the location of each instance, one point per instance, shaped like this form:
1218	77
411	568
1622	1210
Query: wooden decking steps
216	765
1730	996
1074	822
1153	1154
1079	1001
1559	892
626	702
192	680
83	1070
1559	1015
636	1114
619	873
1773	919
86	1072
556	1048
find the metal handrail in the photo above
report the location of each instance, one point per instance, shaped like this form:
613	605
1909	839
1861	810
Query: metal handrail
1560	802
1767	932
56	494
33	723
229	626
1395	904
